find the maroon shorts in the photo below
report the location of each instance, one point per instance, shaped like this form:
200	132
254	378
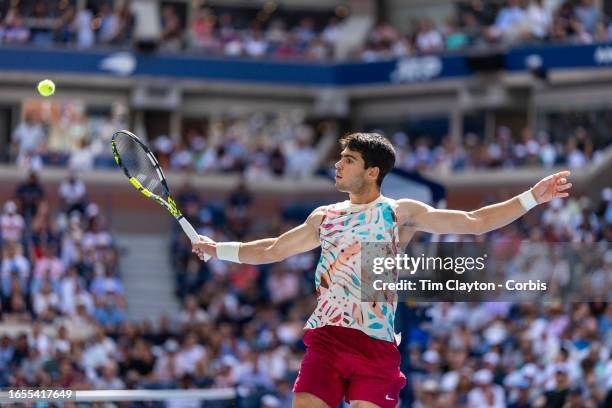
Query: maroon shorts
347	363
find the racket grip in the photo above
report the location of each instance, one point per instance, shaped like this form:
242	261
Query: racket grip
191	233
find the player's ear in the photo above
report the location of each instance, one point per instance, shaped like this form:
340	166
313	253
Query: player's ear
373	172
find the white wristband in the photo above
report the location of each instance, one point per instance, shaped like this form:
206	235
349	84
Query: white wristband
527	200
228	251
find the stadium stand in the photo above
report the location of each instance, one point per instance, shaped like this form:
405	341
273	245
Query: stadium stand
64	310
232	333
273	33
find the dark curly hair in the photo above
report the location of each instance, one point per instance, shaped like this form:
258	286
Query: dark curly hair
375	149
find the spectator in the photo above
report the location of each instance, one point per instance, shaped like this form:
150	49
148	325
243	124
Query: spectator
109	24
255	45
17	310
538	20
282	285
165	370
125	27
69	289
507	22
6	350
192	314
558	396
106	283
473	30
49	265
15	32
72	193
189	354
277	162
575	157
202	35
30	194
14	265
29	139
11	223
31	365
301	163
588	15
172	36
38	340
45	303
241	199
486	394
428	38
83	26
331	32
109	379
455	38
99	352
304	32
108	313
65	31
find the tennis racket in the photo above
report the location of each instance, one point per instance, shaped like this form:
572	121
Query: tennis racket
144	172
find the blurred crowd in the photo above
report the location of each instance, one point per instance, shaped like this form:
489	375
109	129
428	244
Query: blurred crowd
233	33
263	146
45	23
260	146
574	150
479	24
64	323
59	268
266	33
455	354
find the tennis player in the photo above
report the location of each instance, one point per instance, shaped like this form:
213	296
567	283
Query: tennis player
351	345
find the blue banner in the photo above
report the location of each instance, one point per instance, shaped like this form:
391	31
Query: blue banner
405	70
560	57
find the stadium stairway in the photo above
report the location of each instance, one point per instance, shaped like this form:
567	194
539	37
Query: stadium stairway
147	276
353	33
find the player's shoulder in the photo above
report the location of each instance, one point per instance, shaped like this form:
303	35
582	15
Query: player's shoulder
317	215
320	211
407	207
408	202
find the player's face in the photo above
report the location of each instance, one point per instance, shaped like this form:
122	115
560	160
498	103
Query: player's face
350	172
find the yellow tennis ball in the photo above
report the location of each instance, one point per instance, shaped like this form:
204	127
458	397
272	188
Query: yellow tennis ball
46	87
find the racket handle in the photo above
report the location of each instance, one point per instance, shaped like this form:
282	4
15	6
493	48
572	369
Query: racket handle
191	233
189	230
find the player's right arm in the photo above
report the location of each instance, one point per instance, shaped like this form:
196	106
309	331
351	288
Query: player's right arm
302	238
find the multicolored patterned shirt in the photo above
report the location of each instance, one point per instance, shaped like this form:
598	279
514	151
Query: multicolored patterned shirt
338	277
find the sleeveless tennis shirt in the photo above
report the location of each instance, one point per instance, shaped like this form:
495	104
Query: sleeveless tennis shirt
338	277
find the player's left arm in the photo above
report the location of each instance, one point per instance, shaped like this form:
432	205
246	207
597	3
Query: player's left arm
425	218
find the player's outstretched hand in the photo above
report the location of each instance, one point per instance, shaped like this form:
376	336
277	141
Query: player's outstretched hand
551	187
205	248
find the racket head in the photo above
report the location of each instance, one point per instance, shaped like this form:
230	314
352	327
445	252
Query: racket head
142	169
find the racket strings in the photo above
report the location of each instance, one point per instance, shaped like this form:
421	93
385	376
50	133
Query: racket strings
139	165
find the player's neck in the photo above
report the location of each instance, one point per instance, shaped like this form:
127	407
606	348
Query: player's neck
364	197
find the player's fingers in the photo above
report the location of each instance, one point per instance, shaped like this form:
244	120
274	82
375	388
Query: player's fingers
564	187
564	173
562	195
